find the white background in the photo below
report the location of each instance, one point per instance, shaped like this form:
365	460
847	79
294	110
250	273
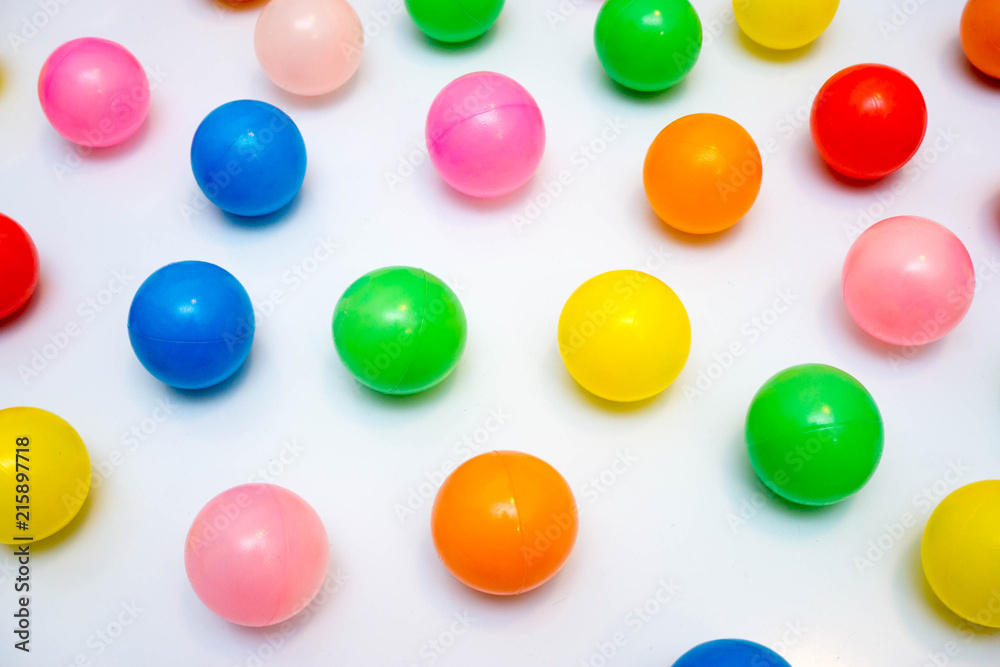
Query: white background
687	510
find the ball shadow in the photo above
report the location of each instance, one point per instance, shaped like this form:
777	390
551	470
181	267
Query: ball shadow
964	69
769	54
21	315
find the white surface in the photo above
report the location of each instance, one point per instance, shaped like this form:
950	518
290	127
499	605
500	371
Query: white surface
666	517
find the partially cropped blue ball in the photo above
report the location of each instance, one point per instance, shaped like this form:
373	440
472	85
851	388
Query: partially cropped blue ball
248	158
191	324
731	653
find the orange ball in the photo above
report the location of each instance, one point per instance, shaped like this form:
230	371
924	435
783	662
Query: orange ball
981	35
504	522
702	173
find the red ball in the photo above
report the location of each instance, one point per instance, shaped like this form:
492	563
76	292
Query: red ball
868	121
18	266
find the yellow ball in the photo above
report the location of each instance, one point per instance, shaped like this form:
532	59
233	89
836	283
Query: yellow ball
961	552
784	24
624	335
44	474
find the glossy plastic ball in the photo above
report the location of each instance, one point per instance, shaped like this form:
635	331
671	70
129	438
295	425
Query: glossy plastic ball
731	653
784	24
868	121
908	280
485	134
961	552
44	474
504	522
624	335
814	434
702	173
454	20
399	330
647	45
309	47
256	554
18	267
191	324
248	158
981	35
94	92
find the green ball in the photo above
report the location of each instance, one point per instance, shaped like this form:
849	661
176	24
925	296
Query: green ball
647	45
814	434
454	20
399	330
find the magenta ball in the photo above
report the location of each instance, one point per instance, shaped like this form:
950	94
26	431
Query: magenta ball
485	134
256	554
908	280
94	92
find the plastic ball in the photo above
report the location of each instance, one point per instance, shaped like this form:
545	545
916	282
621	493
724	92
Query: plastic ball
647	45
961	552
44	474
256	554
191	324
784	24
908	280
485	134
309	47
868	121
981	35
94	92
248	158
702	173
624	335
454	20
399	330
504	522
731	653
814	434
18	267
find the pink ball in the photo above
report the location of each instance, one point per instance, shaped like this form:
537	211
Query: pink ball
94	92
908	280
309	47
256	554
485	134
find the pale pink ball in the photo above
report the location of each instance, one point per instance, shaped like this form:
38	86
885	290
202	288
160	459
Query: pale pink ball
908	280
256	554
309	47
94	92
485	134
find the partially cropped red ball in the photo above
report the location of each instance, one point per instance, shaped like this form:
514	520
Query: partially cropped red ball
18	266
868	121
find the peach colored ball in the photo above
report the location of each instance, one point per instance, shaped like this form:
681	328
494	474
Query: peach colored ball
256	554
908	280
309	47
94	92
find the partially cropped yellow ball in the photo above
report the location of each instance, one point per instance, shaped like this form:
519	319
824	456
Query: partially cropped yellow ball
784	24
961	552
44	474
624	335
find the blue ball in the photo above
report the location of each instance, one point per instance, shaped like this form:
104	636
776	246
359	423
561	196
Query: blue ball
191	324
248	158
731	653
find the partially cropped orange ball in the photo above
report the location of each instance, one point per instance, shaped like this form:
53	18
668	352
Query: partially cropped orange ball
504	522
702	173
981	35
